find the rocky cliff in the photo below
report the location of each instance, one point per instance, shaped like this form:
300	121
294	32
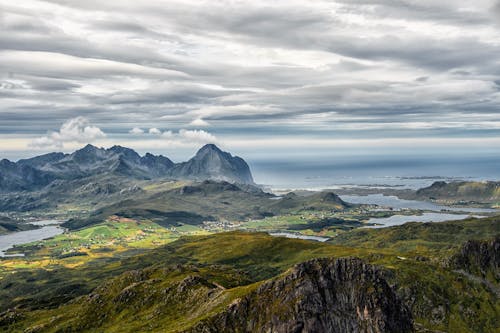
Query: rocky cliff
321	295
480	258
91	162
212	163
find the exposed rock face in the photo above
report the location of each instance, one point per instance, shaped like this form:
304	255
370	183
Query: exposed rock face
20	177
481	258
322	295
212	163
35	173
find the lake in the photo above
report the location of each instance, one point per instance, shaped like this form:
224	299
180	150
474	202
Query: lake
396	203
49	229
425	217
297	236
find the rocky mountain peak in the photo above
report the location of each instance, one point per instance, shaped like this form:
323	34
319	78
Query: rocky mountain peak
209	148
320	295
127	153
210	162
89	153
88	149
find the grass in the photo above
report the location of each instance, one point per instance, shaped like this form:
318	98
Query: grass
114	238
434	239
238	261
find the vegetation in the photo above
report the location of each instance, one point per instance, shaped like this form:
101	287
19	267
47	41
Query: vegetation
10	225
209	201
238	262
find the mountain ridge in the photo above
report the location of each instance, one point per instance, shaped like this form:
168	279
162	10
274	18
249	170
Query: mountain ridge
210	162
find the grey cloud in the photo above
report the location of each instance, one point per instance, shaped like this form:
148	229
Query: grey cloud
496	11
164	92
163	61
432	11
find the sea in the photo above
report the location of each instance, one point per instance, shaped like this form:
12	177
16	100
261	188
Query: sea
399	172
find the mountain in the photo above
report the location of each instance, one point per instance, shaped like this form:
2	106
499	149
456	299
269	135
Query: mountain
208	201
20	177
39	161
321	295
36	173
212	163
461	191
324	200
118	160
208	283
480	258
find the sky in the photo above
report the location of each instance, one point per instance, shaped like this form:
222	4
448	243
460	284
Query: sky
259	78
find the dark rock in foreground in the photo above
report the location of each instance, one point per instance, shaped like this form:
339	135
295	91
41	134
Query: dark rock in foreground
481	258
321	295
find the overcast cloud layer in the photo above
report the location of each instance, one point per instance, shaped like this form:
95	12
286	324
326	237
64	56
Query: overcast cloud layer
248	74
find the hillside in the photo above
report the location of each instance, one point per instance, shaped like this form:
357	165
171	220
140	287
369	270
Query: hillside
208	201
10	225
197	280
488	192
95	176
327	295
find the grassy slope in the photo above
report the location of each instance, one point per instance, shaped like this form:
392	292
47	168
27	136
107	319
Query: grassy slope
433	239
459	304
209	200
485	192
440	298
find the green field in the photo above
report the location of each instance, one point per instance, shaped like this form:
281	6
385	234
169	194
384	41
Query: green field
415	256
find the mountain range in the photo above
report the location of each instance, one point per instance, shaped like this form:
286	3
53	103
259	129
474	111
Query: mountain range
35	173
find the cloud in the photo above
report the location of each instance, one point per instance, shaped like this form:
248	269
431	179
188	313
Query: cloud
74	130
168	135
199	122
154	131
249	67
136	131
197	136
189	137
495	12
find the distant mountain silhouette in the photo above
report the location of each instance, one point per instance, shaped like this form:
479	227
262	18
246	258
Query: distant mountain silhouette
212	163
32	174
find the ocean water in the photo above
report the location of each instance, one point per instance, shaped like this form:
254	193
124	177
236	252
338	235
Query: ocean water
398	171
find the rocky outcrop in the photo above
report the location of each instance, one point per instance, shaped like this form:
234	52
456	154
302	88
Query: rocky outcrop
21	177
468	191
321	295
212	163
35	173
480	258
